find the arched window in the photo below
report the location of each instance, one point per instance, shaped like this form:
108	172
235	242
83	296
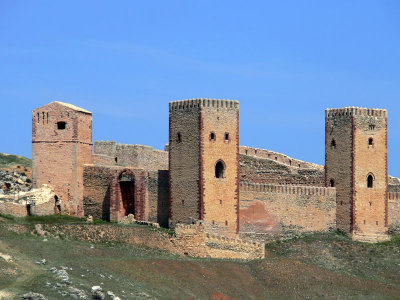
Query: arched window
371	142
333	144
226	137
212	136
370	181
332	183
220	169
179	137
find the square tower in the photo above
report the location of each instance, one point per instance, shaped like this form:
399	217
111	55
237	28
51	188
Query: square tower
61	145
204	163
356	164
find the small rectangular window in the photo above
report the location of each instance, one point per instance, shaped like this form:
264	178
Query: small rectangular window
61	125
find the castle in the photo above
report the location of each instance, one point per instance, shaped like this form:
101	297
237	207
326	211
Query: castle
204	176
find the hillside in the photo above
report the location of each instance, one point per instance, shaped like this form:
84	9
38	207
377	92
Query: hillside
316	266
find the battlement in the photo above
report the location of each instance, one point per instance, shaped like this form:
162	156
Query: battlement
287	189
394	196
355	111
202	102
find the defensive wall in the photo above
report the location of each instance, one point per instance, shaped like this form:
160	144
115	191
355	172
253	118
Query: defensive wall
279	210
139	156
268	171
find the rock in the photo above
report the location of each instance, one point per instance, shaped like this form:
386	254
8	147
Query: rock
97	293
63	275
1	192
89	219
33	296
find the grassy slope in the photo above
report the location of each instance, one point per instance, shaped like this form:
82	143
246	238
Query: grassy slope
316	266
8	160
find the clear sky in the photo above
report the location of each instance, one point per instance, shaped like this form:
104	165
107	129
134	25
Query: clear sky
285	61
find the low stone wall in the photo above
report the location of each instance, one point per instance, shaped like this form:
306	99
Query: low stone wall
189	239
282	210
194	241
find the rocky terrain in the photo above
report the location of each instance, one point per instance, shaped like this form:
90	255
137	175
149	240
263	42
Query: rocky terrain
15	174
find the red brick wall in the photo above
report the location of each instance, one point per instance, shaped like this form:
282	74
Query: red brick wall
58	155
103	196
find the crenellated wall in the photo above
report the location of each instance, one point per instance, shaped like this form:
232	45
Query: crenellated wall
279	210
279	158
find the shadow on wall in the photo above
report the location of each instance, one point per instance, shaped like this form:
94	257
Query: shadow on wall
106	206
162	198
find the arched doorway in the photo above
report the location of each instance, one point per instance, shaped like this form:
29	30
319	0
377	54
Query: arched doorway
127	188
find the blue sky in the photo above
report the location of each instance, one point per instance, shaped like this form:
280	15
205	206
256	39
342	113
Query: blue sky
285	61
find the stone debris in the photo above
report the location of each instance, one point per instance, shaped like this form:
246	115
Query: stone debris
33	296
129	219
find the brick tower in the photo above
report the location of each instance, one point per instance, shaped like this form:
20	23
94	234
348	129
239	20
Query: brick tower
356	164
61	145
204	163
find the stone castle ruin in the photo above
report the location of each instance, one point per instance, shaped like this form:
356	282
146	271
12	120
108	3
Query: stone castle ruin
204	177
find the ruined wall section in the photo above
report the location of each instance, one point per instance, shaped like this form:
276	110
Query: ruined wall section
339	163
126	155
267	171
281	210
184	162
61	145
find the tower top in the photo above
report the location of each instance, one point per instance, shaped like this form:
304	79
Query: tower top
203	102
355	111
